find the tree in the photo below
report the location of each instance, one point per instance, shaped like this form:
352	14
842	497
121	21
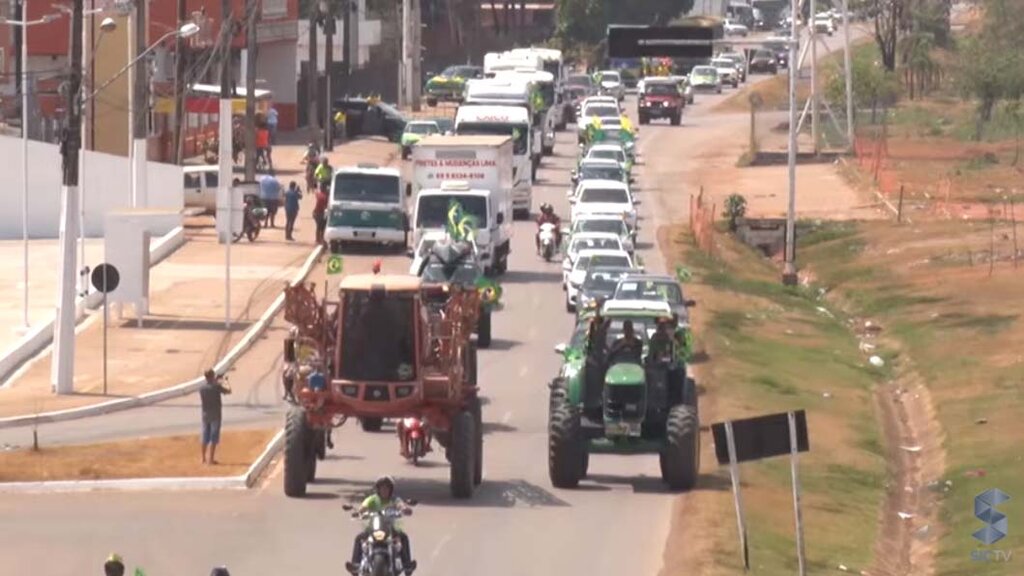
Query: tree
991	63
873	85
889	20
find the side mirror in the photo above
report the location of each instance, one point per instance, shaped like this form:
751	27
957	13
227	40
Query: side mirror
347	507
408	190
501	218
636	202
560	348
409	253
690	303
572	200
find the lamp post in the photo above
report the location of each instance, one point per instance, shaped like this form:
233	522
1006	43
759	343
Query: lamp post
62	363
25	25
327	20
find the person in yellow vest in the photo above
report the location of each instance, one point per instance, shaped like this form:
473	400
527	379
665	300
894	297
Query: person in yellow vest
340	124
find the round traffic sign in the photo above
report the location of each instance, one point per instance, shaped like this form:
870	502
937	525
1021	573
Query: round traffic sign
105	278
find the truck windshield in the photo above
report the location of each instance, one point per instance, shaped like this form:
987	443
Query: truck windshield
518	132
547	91
377	188
465	273
600	173
432	211
553	66
377	342
609	195
661	90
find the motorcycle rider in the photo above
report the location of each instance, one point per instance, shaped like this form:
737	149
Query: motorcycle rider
383	497
400	427
548	216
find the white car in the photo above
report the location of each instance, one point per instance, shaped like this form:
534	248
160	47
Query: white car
735	29
587	241
610	83
604	197
726	69
597	169
605	223
591	108
823	24
607	152
584	260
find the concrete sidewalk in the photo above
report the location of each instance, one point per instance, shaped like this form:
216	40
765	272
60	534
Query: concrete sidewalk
185	331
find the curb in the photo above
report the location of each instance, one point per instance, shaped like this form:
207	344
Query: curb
181	389
41	336
241	482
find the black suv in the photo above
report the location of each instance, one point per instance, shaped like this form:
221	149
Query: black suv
363	118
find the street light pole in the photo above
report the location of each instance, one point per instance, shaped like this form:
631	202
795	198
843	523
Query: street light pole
327	13
140	125
789	276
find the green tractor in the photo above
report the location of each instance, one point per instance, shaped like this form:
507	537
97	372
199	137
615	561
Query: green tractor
605	402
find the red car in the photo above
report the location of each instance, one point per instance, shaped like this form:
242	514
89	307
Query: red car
660	98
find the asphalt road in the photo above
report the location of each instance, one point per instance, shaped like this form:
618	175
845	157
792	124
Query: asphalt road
614	524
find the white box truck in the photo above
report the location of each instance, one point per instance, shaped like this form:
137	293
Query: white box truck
476	171
507	121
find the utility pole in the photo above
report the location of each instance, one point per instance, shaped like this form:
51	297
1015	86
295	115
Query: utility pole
416	31
405	92
62	367
250	89
140	122
179	84
313	77
848	73
350	40
815	95
224	153
328	15
789	275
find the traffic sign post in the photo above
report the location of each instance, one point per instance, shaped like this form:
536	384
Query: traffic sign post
755	439
105	279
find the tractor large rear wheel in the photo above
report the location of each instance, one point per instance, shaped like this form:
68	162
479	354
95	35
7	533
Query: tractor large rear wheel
567	453
680	458
483	329
462	454
478	442
296	453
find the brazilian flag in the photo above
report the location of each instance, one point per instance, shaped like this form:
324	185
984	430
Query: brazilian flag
460	226
682	274
490	291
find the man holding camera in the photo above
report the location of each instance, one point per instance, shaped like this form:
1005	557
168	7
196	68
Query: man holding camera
210	395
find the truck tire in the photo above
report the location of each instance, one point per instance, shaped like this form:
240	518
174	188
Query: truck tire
371	424
462	452
478	448
296	453
311	468
548	150
644	119
677	118
680	458
483	330
432	102
567	453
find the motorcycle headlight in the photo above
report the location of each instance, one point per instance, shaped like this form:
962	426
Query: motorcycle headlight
379	535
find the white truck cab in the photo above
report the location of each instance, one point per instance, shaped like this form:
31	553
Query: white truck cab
367	206
509	121
492	233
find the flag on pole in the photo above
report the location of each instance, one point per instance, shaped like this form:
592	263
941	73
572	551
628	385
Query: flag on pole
490	291
335	264
460	226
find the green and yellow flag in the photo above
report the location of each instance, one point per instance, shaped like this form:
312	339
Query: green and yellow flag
335	264
490	291
682	274
460	226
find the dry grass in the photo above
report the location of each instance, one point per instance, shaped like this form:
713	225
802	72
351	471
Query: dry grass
774	94
170	456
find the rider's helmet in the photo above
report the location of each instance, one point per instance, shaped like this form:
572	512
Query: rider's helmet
385	481
220	571
546	208
114	566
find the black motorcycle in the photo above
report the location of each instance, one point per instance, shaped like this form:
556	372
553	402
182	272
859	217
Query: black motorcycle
252	218
382	547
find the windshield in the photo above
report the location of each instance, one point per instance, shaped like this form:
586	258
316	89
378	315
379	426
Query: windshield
377	343
650	290
600	173
553	66
377	188
610	226
518	132
610	77
579	80
661	90
432	211
422	128
600	110
460	71
595	244
602	281
585	262
723	63
465	273
616	155
704	71
610	195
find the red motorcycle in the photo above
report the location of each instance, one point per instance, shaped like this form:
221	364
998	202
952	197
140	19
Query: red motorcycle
414	435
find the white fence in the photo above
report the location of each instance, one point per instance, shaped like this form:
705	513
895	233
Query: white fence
106	186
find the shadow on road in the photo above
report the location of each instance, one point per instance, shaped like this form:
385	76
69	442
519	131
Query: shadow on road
179	323
502	345
654	485
492	427
490	494
531	276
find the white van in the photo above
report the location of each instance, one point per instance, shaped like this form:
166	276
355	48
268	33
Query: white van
549	112
492	234
508	91
511	121
200	183
367	206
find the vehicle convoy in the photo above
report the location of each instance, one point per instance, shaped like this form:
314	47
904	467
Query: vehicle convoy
623	389
450	84
511	122
383	350
553	63
366	207
476	171
660	98
546	103
449	262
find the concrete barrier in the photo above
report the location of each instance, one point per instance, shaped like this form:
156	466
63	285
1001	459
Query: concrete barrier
37	339
182	389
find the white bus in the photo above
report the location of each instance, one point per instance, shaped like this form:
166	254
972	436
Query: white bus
512	121
511	91
549	113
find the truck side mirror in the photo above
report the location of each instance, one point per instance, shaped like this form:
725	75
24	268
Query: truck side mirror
560	348
409	253
690	303
501	218
408	190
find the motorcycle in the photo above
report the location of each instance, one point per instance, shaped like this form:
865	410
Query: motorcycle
382	547
252	218
414	436
548	240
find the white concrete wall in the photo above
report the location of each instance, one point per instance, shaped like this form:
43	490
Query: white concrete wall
106	186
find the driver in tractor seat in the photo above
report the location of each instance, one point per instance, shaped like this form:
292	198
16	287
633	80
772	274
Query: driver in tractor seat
628	347
383	497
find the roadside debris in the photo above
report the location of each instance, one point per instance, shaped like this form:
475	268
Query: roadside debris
876	361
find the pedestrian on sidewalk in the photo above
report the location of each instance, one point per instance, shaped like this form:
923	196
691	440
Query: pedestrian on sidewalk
291	209
263	146
114	566
272	125
320	214
270	194
210	395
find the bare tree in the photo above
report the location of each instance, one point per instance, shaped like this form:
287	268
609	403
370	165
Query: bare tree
889	22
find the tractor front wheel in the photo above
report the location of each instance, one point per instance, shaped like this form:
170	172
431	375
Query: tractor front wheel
567	453
371	424
483	329
462	454
478	441
296	453
680	458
